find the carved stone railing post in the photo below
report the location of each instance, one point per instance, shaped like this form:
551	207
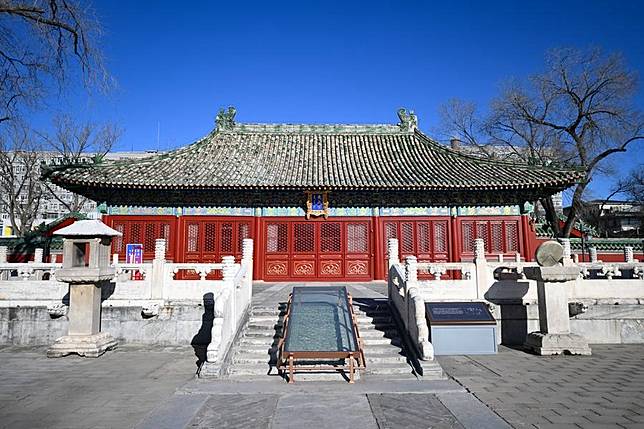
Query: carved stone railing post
158	267
38	255
392	252
159	249
479	248
228	272
411	270
592	251
481	268
38	258
628	254
567	251
53	259
4	275
247	260
115	259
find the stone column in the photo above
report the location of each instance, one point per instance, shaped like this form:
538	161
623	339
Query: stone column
392	252
628	254
592	251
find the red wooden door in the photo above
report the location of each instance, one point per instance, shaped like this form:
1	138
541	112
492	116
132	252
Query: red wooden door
427	239
208	239
316	250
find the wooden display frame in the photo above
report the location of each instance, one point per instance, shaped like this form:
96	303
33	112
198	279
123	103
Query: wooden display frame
354	360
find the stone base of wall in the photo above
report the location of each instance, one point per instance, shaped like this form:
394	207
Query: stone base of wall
175	325
601	323
191	323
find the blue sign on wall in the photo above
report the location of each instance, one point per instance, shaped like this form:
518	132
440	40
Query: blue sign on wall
133	253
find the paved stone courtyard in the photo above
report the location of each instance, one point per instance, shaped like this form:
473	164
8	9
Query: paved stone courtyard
602	390
144	387
133	386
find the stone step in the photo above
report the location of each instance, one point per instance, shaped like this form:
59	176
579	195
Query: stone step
248	359
383	327
388	368
388	359
241	369
374	320
374	333
382	349
268	324
382	341
264	319
257	340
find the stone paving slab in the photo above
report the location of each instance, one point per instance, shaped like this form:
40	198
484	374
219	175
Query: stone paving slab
529	391
410	411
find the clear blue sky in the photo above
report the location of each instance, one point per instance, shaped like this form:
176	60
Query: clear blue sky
177	63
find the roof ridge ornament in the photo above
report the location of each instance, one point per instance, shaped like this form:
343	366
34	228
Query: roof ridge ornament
408	120
225	120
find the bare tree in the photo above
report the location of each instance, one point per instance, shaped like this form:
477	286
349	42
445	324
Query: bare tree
75	143
633	185
42	43
576	113
20	187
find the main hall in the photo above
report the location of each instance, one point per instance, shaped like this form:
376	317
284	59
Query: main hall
320	201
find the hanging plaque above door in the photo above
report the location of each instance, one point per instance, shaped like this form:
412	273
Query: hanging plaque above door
317	204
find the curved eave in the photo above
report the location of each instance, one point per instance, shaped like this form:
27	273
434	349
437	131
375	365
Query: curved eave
454	187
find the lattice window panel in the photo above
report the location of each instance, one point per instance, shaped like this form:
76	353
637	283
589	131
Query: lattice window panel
165	233
149	237
481	232
440	237
407	237
118	241
226	237
276	238
423	238
135	233
496	237
192	235
468	236
357	238
210	237
243	231
304	237
511	237
331	237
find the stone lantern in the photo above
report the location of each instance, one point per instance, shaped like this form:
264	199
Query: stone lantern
86	267
554	275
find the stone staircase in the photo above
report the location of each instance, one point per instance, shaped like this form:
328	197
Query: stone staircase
255	353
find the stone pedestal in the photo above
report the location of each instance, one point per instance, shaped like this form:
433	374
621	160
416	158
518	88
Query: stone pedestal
84	337
86	256
554	336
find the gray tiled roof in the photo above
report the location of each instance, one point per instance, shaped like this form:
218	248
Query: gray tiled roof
260	156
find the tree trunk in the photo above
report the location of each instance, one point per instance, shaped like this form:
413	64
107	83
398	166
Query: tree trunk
575	208
551	215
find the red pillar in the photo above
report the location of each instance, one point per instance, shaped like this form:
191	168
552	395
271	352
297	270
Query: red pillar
378	252
528	238
258	251
454	241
